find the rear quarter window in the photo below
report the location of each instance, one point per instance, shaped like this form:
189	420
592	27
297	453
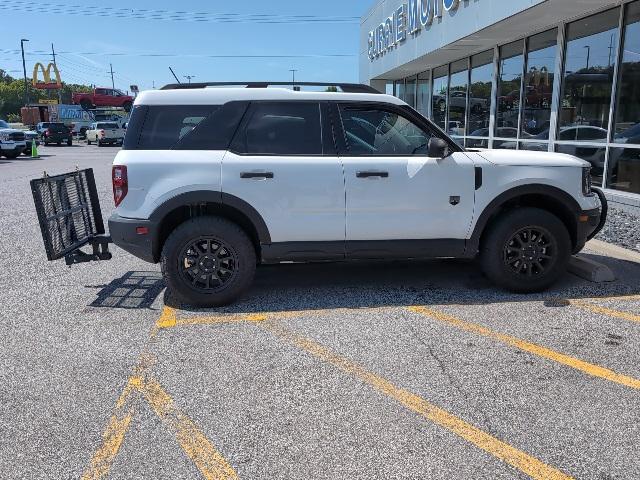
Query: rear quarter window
183	127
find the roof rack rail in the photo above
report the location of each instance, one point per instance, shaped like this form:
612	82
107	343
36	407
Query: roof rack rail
345	87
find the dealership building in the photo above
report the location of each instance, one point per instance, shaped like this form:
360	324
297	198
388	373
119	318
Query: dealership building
546	75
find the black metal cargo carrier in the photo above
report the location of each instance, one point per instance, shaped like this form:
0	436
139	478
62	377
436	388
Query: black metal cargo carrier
70	218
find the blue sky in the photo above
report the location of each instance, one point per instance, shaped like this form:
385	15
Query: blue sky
113	31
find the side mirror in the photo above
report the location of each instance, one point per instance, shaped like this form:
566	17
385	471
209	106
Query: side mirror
438	148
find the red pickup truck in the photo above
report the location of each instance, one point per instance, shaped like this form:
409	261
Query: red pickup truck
103	97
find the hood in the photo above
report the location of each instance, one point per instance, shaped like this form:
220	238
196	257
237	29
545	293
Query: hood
525	158
10	130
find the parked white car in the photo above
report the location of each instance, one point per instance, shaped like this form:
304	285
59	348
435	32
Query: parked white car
213	181
105	133
12	141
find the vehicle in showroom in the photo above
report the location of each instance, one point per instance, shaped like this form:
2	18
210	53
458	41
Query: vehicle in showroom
55	132
12	141
105	133
214	181
102	97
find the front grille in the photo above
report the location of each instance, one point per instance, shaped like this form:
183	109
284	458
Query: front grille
68	210
16	136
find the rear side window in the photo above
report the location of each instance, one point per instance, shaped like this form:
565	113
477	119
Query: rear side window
283	128
107	126
164	126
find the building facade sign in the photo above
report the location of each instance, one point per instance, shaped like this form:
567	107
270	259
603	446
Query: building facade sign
409	18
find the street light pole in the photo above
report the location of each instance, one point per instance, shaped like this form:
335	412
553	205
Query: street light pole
24	69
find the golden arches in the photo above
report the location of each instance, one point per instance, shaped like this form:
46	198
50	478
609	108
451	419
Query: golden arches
46	73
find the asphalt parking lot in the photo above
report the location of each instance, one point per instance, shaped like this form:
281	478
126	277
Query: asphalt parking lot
371	370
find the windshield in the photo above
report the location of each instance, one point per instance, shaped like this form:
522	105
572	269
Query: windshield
108	125
57	127
3	124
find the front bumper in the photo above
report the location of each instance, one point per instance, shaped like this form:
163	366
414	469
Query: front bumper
590	222
11	147
124	233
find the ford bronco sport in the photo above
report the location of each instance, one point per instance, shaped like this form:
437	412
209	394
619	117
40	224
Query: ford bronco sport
213	181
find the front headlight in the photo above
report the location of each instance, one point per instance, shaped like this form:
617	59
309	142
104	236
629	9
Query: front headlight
586	182
4	137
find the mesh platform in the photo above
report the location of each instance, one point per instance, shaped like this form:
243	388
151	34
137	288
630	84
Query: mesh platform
68	211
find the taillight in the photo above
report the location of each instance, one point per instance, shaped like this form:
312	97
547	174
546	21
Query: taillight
120	183
102	133
48	132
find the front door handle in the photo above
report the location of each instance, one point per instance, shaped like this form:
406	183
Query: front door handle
372	174
256	174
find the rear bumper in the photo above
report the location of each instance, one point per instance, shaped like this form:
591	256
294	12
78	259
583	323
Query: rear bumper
124	233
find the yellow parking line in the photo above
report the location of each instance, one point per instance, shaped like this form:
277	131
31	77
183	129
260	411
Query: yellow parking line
195	444
632	317
113	436
522	461
585	367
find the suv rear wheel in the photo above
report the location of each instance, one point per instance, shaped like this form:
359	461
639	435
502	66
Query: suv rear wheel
208	261
526	250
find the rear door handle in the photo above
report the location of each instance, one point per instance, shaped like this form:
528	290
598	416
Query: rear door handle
256	174
372	174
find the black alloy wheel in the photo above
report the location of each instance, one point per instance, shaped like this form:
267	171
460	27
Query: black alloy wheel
530	252
207	264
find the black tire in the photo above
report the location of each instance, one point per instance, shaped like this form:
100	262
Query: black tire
525	250
86	104
100	144
69	143
127	106
234	254
58	143
88	141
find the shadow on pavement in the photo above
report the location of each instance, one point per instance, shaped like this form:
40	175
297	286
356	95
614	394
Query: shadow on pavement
353	285
134	290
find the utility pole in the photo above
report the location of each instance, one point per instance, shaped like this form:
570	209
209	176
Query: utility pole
189	77
53	52
24	68
113	85
293	73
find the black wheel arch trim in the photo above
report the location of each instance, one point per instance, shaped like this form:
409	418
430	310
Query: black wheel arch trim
603	214
199	197
511	194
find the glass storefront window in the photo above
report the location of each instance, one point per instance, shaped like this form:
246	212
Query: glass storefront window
595	155
389	88
458	98
627	128
439	97
624	169
480	96
538	84
588	76
422	94
509	85
400	90
410	91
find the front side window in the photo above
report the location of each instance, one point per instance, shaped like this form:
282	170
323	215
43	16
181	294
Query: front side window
380	132
289	128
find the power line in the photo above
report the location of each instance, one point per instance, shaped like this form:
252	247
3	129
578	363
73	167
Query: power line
50	8
169	55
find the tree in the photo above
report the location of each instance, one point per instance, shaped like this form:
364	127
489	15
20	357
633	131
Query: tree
12	94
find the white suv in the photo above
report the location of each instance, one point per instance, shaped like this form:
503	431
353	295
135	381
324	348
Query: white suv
212	181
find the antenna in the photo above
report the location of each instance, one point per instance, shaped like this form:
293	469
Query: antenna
174	75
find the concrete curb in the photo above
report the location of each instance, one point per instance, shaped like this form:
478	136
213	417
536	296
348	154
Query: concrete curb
610	250
590	270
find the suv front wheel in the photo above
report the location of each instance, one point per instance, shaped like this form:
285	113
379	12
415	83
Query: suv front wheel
526	250
208	261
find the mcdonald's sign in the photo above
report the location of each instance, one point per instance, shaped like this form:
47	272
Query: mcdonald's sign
47	84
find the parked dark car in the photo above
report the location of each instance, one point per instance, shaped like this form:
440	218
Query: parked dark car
57	133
